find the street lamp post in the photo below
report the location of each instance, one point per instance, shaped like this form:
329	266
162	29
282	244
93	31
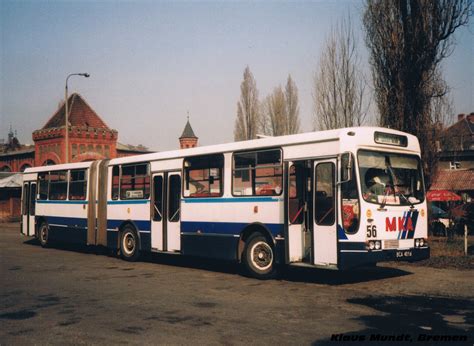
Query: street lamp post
66	116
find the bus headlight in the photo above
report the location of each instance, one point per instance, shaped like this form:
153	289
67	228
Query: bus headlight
374	245
421	242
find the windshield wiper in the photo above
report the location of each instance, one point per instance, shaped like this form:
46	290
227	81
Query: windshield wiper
405	198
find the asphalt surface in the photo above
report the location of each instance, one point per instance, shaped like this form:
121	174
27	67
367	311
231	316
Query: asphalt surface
77	295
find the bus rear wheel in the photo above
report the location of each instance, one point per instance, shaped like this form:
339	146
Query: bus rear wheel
129	244
258	257
43	234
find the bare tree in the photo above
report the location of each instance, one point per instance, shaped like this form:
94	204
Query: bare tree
292	107
407	40
339	85
247	121
280	111
275	111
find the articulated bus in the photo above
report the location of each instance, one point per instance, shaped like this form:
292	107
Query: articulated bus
333	199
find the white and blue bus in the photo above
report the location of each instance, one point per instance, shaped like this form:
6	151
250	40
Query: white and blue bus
332	199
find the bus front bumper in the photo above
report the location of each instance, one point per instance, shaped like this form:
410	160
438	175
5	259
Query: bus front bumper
356	259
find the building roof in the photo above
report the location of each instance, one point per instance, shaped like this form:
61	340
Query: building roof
22	150
133	148
188	131
80	114
10	180
454	180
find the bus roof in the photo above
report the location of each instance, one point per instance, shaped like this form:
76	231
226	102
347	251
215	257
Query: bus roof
362	136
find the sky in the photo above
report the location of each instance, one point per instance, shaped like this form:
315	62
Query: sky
152	62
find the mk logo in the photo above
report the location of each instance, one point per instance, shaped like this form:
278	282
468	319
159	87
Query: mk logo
404	225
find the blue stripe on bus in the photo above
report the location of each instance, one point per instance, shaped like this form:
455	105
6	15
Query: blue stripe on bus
67	221
229	200
138	201
142	225
61	202
341	234
352	245
144	201
224	227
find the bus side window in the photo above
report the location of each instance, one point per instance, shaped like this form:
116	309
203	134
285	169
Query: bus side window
350	201
257	173
135	182
43	183
203	176
115	182
77	185
58	185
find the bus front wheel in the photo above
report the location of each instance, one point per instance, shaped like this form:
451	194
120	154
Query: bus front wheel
43	234
129	245
259	258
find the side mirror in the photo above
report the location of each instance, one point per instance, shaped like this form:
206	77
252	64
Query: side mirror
346	168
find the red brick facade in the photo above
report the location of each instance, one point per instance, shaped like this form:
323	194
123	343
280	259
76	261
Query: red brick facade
188	139
89	137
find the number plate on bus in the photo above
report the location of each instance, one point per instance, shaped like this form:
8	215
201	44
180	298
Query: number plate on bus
401	254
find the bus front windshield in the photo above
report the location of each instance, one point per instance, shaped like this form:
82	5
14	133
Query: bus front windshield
390	178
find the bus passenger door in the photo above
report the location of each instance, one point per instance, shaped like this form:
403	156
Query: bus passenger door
173	223
157	231
325	225
299	230
28	209
165	225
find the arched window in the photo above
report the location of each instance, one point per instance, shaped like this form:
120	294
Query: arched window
49	163
5	169
25	166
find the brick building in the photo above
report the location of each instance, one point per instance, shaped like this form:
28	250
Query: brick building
188	139
455	171
89	139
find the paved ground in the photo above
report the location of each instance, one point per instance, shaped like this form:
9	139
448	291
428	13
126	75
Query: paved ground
70	295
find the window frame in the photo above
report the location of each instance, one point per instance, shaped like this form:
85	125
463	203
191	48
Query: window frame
221	180
148	174
59	182
334	194
381	151
168	197
255	168
86	180
355	169
38	191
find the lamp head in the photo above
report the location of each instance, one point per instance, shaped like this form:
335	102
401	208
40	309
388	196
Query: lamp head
85	75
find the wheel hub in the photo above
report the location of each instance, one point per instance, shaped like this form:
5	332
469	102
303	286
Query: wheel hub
262	255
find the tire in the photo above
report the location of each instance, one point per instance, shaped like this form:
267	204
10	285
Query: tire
129	244
43	235
259	257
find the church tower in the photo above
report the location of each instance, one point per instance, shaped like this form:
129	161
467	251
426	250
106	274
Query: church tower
188	139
